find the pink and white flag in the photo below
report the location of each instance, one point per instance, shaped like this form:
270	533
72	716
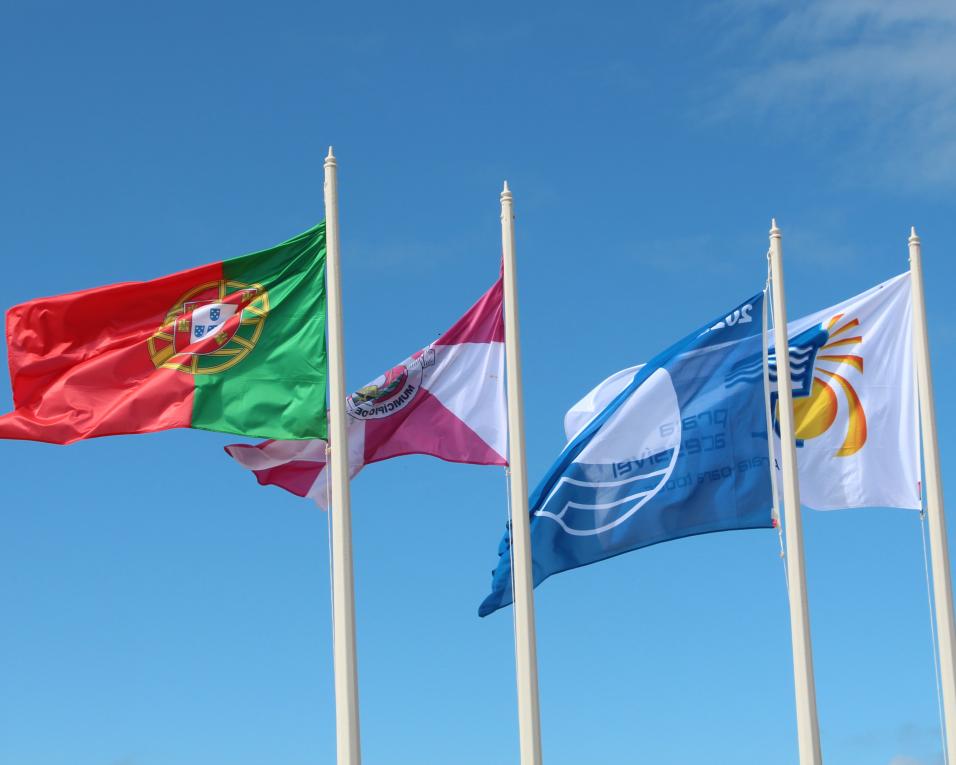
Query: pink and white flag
446	400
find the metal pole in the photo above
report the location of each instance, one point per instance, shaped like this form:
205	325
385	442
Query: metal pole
939	546
808	728
347	744
526	658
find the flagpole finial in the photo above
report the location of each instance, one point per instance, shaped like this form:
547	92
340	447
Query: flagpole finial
506	193
774	231
914	237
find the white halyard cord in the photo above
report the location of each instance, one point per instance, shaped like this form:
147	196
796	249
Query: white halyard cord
511	559
934	640
777	515
328	524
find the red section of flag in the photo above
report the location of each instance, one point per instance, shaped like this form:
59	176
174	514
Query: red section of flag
483	322
426	427
80	366
296	477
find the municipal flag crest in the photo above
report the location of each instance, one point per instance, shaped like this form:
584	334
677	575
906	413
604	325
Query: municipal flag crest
391	392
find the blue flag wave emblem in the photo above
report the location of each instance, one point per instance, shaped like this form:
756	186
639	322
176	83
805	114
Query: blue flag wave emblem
681	450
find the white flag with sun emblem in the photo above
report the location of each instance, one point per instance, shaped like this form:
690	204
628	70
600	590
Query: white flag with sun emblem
854	399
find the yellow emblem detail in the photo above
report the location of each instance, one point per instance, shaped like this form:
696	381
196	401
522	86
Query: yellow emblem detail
815	410
211	328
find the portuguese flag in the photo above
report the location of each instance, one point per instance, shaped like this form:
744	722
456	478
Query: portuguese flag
236	346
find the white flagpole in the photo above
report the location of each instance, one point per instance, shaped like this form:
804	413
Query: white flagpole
939	546
808	728
347	746
526	658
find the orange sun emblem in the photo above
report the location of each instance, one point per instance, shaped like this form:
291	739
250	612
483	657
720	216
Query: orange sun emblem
819	358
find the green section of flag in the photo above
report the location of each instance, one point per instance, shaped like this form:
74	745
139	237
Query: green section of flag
278	388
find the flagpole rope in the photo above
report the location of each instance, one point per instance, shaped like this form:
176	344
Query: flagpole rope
933	638
328	524
768	300
511	560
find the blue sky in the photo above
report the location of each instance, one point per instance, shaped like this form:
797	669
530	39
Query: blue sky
161	608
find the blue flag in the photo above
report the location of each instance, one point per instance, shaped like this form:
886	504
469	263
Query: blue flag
681	449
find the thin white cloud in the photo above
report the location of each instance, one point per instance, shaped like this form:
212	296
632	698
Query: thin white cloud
876	78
